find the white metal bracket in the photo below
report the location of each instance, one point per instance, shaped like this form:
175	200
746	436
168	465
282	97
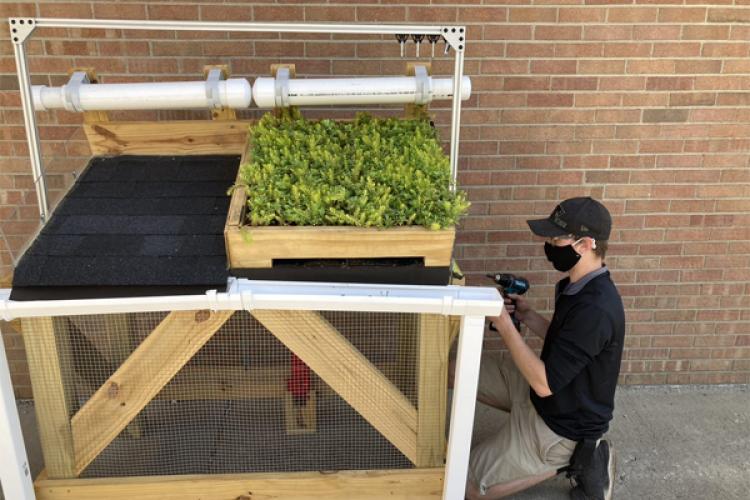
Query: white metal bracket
423	84
72	100
20	28
212	87
455	36
281	88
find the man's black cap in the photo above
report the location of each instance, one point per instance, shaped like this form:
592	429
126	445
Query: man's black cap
578	216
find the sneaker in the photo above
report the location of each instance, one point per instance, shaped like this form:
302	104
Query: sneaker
597	480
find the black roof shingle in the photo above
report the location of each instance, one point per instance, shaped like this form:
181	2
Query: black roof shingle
134	225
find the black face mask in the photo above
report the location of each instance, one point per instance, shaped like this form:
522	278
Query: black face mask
563	258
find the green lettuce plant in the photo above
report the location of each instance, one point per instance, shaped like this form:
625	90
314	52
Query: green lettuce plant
369	172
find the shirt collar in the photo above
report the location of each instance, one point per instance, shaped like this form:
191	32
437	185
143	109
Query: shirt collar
574	288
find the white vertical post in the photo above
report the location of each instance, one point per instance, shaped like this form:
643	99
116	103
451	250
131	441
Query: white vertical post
465	383
15	475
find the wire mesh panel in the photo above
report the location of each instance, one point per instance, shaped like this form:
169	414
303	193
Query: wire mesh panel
234	398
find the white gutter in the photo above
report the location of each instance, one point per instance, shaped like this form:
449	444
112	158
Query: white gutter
243	294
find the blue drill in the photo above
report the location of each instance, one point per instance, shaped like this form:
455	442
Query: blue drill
509	284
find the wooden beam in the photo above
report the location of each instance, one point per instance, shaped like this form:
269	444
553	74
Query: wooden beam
432	389
226	383
176	137
148	369
335	242
49	370
300	418
401	484
329	354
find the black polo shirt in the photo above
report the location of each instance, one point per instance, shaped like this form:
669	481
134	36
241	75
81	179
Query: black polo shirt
581	354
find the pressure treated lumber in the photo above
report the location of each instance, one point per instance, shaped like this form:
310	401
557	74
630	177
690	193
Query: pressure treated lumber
180	137
146	371
49	368
432	389
339	364
403	484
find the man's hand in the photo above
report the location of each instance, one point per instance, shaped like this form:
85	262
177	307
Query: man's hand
521	307
527	362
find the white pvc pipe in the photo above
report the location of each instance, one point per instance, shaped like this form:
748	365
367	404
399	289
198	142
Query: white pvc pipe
243	294
465	384
15	473
232	93
341	91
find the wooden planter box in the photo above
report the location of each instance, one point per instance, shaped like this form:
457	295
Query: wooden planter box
256	251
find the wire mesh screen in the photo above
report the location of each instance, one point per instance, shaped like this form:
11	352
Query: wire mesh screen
236	399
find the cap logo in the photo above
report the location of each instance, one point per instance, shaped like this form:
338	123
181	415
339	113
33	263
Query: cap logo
584	228
557	217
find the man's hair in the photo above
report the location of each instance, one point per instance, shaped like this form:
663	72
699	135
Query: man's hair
601	248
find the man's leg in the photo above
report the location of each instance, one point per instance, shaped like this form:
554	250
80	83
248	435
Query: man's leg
523	453
496	383
505	489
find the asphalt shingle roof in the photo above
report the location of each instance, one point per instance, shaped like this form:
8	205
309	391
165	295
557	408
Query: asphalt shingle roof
134	225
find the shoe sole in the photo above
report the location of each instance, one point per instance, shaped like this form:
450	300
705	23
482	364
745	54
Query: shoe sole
611	467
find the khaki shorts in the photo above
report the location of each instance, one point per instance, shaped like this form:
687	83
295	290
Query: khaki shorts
525	446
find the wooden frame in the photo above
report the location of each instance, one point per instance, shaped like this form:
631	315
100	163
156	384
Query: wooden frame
71	444
162	355
256	247
400	484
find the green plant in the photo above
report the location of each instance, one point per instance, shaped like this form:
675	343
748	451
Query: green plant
370	172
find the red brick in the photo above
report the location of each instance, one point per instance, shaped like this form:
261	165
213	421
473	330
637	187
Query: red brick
532	15
735	15
558	32
380	14
656	32
627	49
581	14
725	49
608	32
554	66
682	14
679	49
698	32
280	13
173	12
66	10
482	15
507	32
631	14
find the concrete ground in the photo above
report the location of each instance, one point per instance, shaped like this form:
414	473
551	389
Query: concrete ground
672	442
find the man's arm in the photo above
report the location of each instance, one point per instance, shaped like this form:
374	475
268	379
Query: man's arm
529	317
531	367
536	323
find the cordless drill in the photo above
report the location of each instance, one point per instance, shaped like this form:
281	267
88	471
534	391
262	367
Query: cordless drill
509	284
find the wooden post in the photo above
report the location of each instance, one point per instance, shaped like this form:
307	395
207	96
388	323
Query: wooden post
433	389
49	369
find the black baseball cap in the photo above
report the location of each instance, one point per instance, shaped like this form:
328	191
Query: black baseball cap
579	216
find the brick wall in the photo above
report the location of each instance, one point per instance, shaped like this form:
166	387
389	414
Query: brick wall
644	105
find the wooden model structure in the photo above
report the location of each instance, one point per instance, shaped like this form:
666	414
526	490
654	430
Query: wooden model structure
140	361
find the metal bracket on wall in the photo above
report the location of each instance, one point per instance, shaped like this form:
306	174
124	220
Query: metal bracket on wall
455	36
20	28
